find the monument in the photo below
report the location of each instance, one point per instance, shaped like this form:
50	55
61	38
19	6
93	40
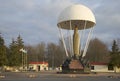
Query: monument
76	18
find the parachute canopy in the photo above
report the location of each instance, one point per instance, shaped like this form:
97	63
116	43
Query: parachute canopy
78	15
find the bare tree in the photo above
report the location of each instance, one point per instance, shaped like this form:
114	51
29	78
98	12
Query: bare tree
36	53
40	50
118	42
97	51
56	54
51	50
32	56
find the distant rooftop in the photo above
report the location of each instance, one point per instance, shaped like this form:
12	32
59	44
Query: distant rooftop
98	63
42	62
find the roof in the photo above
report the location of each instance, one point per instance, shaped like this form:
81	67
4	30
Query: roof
38	62
98	63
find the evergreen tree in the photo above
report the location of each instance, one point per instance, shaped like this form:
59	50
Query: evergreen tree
20	45
15	54
20	42
13	60
3	57
115	48
115	55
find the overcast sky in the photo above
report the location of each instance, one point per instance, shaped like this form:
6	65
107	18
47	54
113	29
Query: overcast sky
35	20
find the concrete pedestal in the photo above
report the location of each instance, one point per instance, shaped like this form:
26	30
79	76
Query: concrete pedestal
72	66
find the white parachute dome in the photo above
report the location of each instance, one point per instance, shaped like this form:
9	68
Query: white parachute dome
76	16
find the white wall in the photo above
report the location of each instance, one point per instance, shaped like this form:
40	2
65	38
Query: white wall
35	66
117	70
101	68
43	67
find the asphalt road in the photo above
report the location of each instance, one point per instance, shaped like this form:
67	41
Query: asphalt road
53	76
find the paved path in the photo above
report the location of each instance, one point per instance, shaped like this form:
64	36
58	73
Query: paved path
53	76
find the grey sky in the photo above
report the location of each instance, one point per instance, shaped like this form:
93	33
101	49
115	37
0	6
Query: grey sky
35	20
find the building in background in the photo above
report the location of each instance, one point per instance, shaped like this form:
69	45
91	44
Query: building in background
101	67
38	66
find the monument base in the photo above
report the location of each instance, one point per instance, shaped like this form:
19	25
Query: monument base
73	66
